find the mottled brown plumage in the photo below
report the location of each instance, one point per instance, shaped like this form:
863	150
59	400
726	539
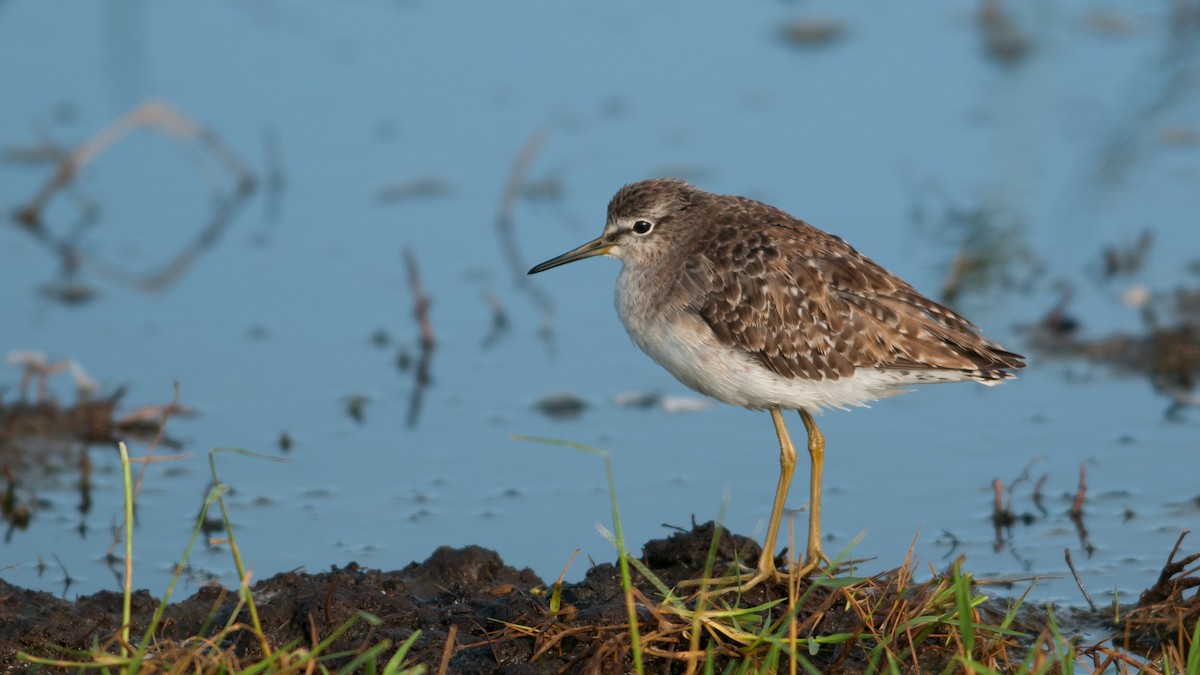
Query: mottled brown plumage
756	308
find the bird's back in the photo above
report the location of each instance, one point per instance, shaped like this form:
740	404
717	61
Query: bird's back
806	305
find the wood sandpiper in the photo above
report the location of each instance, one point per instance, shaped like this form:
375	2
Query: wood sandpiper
756	308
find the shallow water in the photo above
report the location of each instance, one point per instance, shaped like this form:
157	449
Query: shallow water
395	125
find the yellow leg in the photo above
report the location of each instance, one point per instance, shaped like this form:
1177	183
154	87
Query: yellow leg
787	465
814	557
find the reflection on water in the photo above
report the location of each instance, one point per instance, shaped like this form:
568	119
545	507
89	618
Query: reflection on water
163	119
514	187
1161	94
426	343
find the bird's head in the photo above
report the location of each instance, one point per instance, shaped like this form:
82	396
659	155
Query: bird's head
645	220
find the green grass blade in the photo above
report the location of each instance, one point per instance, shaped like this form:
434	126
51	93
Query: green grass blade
962	595
127	478
393	664
1193	652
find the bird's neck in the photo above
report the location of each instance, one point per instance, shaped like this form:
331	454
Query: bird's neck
642	290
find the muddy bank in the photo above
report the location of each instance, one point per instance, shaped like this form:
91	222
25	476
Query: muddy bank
469	590
500	617
477	615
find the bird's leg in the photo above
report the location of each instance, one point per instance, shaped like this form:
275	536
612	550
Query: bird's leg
787	465
813	556
766	570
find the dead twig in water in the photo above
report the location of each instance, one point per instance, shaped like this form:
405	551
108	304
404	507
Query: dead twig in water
85	487
1164	613
139	417
421	303
1037	494
276	176
499	320
420	300
1002	516
1078	582
1077	513
1174	579
1003	519
1026	475
1077	506
36	366
505	226
164	415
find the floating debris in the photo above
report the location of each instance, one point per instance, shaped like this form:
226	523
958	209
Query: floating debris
356	405
647	400
403	360
1165	352
638	399
68	292
685	404
1125	259
380	338
417	188
561	405
40	432
1137	297
812	33
499	324
1004	40
1107	22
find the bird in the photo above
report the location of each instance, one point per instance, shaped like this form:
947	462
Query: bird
756	308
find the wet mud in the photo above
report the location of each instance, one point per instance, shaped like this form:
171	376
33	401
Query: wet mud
467	589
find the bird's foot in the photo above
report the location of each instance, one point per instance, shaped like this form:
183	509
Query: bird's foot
747	578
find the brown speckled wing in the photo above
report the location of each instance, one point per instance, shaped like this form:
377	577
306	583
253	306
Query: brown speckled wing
807	305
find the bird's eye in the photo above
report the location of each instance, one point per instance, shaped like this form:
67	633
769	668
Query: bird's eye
643	227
